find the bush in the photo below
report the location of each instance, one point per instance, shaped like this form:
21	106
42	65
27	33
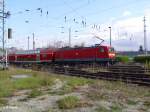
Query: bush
142	59
123	59
68	102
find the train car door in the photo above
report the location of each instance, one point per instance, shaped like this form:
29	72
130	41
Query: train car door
38	56
100	54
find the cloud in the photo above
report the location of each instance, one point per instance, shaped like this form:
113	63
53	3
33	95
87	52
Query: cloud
126	13
127	34
133	28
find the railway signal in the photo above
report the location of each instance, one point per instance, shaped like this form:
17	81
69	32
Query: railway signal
9	33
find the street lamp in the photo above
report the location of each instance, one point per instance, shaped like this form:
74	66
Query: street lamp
110	34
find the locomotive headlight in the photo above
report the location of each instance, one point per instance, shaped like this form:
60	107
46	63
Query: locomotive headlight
111	55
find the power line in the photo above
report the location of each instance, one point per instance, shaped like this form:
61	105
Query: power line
71	8
98	12
115	7
71	11
105	10
117	19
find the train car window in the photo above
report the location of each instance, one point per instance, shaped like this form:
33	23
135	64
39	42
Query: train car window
101	50
44	55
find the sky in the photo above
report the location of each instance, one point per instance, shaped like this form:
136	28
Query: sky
50	21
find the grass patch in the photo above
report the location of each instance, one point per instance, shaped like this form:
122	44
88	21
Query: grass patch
33	82
123	59
3	102
64	90
131	102
71	84
14	71
147	104
102	109
34	93
36	80
147	94
68	102
116	108
128	90
97	95
27	83
50	110
75	82
97	89
6	88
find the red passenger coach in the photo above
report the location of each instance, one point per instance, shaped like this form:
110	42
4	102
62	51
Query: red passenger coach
100	54
32	56
11	57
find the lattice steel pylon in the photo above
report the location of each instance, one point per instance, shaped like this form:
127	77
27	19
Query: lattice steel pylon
3	16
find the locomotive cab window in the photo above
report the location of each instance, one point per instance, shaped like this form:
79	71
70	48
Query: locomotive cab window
101	50
111	50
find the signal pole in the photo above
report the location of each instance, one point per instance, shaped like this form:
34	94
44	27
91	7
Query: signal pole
3	28
2	17
110	34
70	37
3	34
28	42
33	42
145	38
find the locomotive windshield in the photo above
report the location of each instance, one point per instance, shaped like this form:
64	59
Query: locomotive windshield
111	49
101	50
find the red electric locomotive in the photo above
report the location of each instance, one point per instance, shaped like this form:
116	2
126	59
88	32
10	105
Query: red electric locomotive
99	54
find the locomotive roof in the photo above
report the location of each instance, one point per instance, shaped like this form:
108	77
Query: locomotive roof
33	51
70	48
28	52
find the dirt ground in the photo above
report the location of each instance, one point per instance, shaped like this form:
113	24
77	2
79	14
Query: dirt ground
93	95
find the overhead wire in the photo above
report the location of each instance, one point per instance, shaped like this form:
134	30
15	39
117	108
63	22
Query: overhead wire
105	10
81	6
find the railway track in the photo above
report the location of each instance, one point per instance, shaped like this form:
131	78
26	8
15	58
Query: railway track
126	73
